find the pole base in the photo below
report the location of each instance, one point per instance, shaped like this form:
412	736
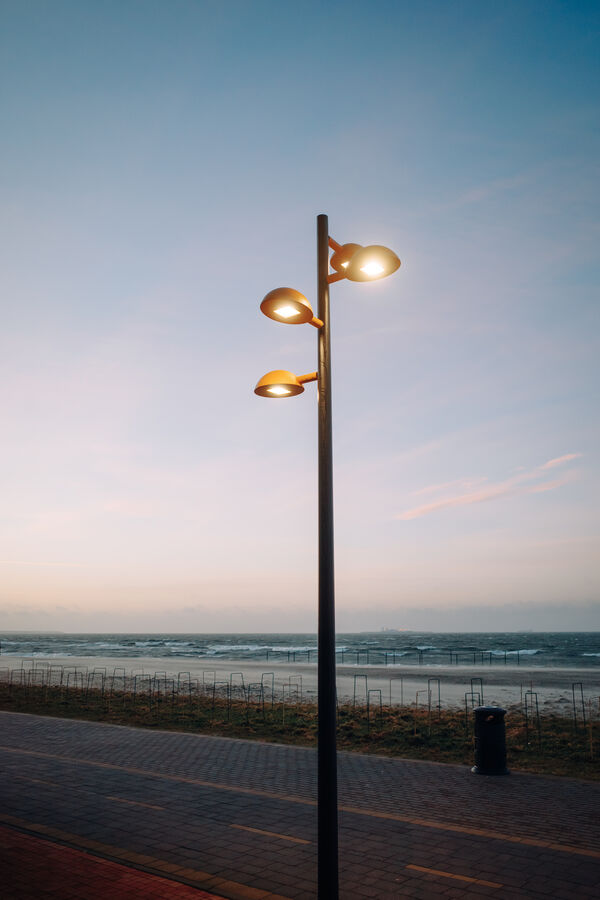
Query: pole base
476	770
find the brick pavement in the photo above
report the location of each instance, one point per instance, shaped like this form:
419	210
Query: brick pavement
33	868
234	816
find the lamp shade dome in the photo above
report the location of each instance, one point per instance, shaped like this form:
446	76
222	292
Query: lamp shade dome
278	383
287	305
340	260
371	263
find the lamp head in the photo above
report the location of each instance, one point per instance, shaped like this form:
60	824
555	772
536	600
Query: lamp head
371	263
278	383
340	260
287	305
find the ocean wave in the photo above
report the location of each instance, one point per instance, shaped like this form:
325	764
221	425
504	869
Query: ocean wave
553	649
252	648
292	649
158	642
223	648
36	653
102	646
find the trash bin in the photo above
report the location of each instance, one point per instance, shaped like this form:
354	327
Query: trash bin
490	741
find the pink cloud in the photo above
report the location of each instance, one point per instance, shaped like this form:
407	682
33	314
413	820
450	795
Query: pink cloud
517	484
560	460
480	496
464	484
550	485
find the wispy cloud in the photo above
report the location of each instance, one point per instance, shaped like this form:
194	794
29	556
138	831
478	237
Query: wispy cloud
549	485
552	463
462	484
466	491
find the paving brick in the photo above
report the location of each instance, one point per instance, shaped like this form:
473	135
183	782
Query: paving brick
168	801
33	867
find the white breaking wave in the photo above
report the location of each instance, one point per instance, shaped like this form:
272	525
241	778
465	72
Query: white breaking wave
292	649
221	648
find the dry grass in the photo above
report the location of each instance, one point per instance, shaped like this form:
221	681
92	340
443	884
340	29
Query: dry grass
556	748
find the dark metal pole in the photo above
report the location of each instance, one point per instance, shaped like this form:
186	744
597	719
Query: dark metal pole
327	756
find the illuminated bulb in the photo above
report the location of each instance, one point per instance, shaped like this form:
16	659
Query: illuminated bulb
371	268
287	312
278	390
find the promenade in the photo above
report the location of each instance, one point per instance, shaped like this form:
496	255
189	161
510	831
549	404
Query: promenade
197	816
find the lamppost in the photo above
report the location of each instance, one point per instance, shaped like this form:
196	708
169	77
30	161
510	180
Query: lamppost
289	306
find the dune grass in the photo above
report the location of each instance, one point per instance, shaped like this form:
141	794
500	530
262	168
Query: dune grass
550	745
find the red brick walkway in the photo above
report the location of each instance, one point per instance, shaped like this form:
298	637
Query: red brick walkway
32	868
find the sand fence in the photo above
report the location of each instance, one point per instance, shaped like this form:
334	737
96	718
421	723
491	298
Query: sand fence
568	692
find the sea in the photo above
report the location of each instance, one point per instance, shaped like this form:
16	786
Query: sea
387	647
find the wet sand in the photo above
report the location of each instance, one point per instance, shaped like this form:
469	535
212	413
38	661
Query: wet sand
501	685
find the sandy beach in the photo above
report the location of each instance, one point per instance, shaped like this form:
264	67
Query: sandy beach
501	685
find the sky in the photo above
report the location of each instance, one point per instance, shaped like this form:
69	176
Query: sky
162	165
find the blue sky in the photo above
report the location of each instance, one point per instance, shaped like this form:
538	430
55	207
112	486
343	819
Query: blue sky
162	168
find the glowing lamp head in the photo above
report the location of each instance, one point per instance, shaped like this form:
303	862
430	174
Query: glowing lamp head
287	305
278	383
371	263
